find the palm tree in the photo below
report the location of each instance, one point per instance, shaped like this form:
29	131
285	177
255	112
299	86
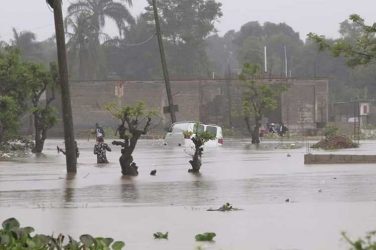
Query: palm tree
25	42
81	44
98	10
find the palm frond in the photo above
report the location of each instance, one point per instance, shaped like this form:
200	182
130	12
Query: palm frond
119	11
79	7
129	2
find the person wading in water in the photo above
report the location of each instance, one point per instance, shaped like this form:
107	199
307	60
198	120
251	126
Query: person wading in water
100	150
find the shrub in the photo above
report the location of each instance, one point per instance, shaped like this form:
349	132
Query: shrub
368	243
160	235
330	131
13	236
208	236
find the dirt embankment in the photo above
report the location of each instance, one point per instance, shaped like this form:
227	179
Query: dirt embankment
335	142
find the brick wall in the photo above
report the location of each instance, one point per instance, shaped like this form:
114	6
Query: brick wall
304	104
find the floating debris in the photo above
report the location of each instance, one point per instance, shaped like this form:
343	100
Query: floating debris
224	208
160	235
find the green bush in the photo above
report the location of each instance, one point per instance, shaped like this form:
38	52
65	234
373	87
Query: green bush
14	237
330	131
160	235
208	236
368	243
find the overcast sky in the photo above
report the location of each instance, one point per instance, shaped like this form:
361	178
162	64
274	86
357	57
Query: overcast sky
319	16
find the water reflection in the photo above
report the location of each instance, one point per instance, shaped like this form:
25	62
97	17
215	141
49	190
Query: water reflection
128	190
69	189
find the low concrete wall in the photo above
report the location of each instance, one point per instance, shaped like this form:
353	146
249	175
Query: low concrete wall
338	159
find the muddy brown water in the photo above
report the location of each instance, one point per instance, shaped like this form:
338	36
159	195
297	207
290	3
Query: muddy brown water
324	199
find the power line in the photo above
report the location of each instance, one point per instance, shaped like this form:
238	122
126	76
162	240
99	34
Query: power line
140	43
118	42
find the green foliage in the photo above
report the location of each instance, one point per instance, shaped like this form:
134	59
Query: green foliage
15	237
368	243
47	116
201	136
359	48
98	11
140	62
22	83
330	131
135	112
250	41
25	42
258	98
185	25
208	236
85	23
205	136
187	134
40	81
12	81
186	21
9	111
160	235
82	45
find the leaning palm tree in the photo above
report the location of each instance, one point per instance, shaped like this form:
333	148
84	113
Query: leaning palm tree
98	10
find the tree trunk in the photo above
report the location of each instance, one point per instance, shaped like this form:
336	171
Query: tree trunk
36	148
39	144
196	159
256	131
128	166
248	125
195	162
40	135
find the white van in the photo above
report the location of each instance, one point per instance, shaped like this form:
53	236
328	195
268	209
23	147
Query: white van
175	136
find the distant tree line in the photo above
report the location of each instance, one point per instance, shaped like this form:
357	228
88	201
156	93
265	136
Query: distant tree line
194	49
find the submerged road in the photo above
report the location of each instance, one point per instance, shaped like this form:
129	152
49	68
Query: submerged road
323	199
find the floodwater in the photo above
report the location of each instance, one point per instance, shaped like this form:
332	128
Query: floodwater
324	200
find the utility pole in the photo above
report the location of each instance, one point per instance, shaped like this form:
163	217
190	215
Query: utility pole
228	93
265	60
70	147
171	106
284	47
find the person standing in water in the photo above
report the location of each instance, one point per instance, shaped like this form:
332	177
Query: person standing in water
100	150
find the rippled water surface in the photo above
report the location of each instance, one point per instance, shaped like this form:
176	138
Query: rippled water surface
324	199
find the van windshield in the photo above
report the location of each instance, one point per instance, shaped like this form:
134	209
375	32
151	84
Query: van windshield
211	130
